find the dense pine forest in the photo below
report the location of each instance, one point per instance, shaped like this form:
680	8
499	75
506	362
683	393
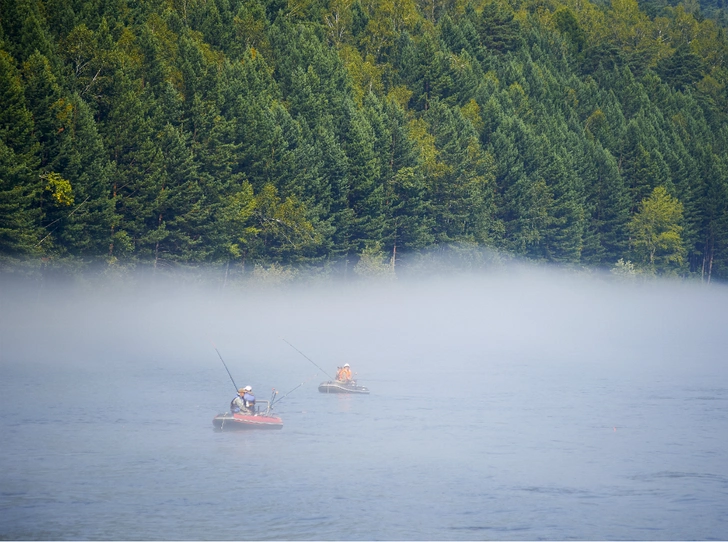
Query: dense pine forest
331	134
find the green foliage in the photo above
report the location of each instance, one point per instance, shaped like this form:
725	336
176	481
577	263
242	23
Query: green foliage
373	263
19	185
567	24
497	28
59	189
682	69
625	270
267	134
656	233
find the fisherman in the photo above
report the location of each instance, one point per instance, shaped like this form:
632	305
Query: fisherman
344	374
244	402
249	400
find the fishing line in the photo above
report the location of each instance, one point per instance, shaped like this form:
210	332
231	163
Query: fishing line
309	359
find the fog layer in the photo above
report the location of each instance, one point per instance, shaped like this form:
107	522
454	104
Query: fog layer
535	405
414	326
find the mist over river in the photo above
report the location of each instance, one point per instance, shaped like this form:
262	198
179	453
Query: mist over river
533	406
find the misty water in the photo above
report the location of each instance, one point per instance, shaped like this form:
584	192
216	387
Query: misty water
521	407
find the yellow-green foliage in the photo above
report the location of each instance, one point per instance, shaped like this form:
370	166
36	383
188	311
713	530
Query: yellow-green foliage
59	188
656	233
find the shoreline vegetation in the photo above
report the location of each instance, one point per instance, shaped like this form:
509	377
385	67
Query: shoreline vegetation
441	264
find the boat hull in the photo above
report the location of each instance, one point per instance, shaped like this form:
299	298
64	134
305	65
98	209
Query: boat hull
241	422
333	386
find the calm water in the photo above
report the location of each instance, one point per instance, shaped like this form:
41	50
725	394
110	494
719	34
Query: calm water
572	429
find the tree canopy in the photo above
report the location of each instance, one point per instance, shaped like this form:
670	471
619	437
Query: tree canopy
337	133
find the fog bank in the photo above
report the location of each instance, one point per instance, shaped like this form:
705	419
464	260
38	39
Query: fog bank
533	316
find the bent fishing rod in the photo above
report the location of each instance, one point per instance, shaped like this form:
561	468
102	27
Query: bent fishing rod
305	356
294	389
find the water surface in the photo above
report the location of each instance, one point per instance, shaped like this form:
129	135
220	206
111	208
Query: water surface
499	410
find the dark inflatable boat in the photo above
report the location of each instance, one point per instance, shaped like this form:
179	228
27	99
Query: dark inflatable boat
335	386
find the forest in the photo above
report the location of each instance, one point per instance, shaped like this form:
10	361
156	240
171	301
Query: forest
344	135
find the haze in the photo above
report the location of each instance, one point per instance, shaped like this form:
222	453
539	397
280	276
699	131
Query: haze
525	362
410	326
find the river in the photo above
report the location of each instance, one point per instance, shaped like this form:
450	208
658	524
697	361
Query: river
499	410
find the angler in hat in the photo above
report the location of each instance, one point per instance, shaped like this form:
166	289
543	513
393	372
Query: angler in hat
243	402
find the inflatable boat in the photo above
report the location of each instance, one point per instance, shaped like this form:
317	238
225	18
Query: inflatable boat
262	419
335	386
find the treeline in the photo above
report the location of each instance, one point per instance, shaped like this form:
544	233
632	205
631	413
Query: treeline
323	133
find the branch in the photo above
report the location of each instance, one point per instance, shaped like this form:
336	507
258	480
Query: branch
93	80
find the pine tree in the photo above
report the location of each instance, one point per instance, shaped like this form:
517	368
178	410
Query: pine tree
407	225
714	227
497	28
19	183
609	204
366	192
568	25
135	170
461	186
83	229
564	232
25	28
642	165
682	69
48	107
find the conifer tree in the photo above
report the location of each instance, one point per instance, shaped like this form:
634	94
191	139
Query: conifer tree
208	131
462	182
83	230
680	70
19	182
366	191
48	108
25	28
608	204
407	224
497	28
564	232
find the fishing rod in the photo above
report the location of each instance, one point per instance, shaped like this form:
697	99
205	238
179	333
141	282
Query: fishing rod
294	389
226	367
273	395
305	356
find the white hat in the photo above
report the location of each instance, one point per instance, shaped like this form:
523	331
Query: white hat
248	388
346	364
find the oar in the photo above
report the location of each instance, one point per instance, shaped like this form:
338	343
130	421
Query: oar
309	359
